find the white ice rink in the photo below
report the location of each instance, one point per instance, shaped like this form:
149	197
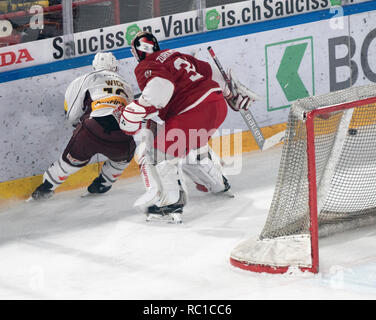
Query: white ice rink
102	248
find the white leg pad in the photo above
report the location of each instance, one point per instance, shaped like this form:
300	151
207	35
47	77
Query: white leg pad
171	182
204	170
163	183
151	181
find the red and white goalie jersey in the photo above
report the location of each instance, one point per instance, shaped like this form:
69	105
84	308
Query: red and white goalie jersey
174	82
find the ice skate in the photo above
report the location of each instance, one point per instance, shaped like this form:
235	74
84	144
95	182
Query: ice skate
226	192
43	192
98	186
172	213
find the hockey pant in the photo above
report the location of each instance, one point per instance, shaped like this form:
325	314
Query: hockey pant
88	139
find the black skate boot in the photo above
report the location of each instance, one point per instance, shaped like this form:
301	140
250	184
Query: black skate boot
99	186
226	183
227	188
43	192
168	214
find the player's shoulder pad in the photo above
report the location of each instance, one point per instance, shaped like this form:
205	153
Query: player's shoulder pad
73	90
74	97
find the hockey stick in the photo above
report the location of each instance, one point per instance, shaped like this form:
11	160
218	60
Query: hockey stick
262	143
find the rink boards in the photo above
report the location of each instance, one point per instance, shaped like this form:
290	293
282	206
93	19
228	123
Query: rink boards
282	60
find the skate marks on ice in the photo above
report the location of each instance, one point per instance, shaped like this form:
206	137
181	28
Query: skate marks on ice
65	212
253	190
101	247
68	211
353	266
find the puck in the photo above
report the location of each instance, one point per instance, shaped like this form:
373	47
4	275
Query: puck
352	132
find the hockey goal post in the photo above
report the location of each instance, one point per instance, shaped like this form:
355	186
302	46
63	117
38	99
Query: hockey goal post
326	181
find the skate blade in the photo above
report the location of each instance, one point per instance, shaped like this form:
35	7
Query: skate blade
171	218
87	194
30	199
226	194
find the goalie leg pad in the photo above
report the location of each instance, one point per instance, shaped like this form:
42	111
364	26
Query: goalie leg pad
204	170
151	182
163	183
171	182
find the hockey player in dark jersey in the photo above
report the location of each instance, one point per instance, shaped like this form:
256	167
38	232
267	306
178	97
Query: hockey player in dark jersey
89	103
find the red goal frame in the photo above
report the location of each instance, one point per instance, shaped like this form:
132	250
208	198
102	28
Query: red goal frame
311	163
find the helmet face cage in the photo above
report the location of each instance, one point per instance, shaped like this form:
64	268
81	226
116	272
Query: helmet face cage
143	44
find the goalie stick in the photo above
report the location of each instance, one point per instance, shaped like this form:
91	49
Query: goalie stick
252	125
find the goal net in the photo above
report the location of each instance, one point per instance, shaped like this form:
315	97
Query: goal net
326	181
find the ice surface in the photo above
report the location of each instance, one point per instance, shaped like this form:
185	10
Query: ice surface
102	248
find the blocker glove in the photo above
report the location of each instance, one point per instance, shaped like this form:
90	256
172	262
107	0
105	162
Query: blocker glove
131	116
237	95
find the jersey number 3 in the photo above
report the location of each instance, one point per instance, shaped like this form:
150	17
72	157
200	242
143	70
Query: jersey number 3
190	68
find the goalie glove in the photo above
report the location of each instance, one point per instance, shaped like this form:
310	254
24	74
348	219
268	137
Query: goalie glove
131	116
237	95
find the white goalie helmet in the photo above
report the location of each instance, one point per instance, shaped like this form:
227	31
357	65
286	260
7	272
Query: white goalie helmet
105	61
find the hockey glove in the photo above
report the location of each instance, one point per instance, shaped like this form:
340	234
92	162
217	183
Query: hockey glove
130	117
237	95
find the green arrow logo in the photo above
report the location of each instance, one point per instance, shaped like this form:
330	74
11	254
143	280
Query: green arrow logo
290	72
287	75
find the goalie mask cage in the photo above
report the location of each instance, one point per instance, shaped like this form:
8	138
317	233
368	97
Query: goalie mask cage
326	181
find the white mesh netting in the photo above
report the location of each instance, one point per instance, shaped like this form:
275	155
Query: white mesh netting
345	156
